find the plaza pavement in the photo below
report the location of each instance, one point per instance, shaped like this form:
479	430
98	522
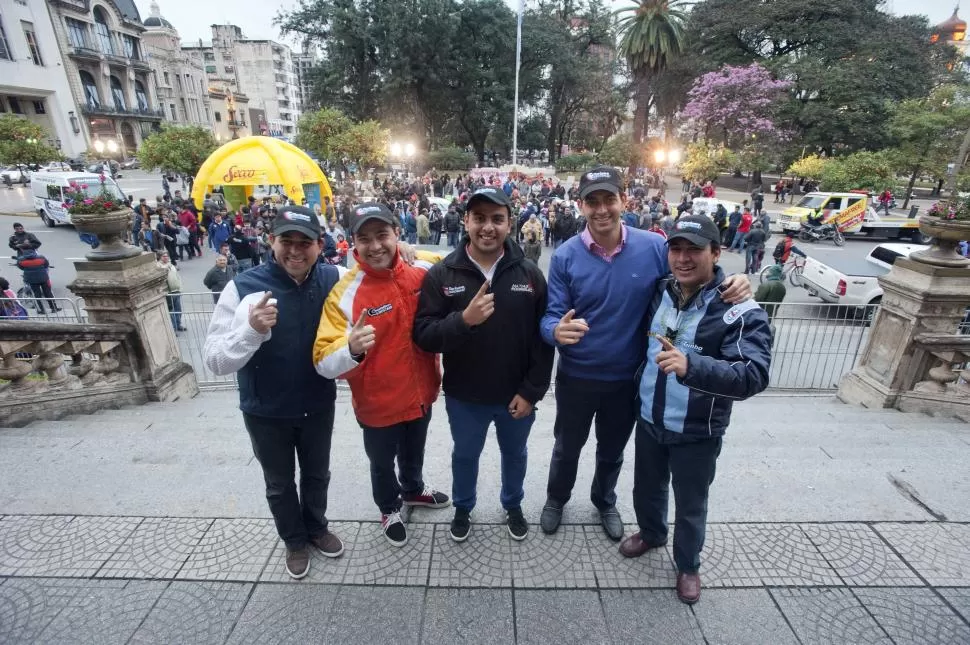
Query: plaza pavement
829	524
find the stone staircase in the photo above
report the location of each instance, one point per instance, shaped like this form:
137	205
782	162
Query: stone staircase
829	524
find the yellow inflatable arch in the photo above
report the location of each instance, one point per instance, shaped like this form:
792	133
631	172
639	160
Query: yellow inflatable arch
255	161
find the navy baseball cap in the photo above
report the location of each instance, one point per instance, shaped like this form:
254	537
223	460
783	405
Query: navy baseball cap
298	219
491	194
369	211
699	230
600	178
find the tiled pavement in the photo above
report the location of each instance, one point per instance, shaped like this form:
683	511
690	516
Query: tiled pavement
104	580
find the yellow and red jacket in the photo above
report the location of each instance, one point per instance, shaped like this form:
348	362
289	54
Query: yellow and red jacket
396	381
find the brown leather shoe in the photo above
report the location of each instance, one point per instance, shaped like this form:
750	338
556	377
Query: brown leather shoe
329	545
634	546
688	587
298	562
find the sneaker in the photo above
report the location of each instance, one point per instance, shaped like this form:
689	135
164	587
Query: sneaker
460	525
428	497
297	562
518	527
394	529
329	545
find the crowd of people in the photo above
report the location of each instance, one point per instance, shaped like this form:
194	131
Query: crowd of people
652	337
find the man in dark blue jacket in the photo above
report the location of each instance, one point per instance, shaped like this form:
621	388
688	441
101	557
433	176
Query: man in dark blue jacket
702	354
264	327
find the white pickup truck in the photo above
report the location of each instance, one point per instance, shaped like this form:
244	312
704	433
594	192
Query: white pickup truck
851	281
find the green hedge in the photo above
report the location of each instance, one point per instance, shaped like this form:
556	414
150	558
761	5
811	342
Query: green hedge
450	159
576	162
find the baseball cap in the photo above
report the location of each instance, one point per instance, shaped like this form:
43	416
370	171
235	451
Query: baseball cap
368	211
491	194
600	178
699	230
298	219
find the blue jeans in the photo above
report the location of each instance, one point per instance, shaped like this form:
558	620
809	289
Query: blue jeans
174	302
453	239
469	425
738	242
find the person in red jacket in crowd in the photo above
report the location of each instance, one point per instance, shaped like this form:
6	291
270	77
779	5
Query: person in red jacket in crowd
188	219
743	228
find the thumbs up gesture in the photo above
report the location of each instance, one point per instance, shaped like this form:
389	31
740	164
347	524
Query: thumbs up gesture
570	330
480	308
262	315
361	336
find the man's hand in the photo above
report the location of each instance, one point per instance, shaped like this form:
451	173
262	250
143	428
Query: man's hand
262	315
671	360
480	308
361	336
737	289
407	252
519	408
569	331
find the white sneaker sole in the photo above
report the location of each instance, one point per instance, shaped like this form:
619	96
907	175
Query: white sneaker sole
395	542
518	538
426	505
462	538
298	576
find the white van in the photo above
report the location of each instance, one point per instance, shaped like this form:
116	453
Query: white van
48	189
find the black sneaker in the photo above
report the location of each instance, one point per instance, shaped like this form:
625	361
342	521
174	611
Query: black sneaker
394	529
460	525
518	527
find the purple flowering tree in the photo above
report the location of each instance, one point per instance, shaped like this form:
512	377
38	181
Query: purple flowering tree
737	107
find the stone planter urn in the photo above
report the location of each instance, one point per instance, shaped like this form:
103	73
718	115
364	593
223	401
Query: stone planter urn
110	229
947	235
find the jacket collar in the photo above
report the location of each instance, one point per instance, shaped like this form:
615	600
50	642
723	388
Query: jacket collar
701	297
281	274
396	267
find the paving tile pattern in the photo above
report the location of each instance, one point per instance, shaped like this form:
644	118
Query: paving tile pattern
165	580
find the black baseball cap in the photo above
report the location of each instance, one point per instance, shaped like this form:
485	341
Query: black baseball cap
491	194
368	211
298	219
600	178
699	230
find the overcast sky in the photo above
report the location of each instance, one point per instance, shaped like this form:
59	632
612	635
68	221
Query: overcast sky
192	17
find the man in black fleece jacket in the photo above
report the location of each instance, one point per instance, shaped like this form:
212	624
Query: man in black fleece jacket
480	308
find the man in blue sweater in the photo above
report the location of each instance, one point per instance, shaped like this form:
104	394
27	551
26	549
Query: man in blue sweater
600	283
701	355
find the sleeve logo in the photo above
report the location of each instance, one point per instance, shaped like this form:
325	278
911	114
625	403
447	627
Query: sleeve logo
735	312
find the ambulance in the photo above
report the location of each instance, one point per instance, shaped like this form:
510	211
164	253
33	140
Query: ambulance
854	216
48	190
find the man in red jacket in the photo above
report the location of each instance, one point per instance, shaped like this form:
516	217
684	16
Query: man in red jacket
743	228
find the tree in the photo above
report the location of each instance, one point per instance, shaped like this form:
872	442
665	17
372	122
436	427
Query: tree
858	171
450	159
927	132
364	143
620	151
181	149
810	167
651	33
24	142
704	162
736	107
320	132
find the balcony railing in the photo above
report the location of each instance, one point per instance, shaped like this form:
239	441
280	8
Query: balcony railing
111	110
85	53
138	63
236	123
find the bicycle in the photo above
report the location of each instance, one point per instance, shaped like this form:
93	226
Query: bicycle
792	271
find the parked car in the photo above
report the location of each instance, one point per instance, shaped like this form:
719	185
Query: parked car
18	174
111	168
77	163
131	164
850	281
54	166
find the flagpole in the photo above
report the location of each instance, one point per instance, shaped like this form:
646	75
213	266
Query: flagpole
518	61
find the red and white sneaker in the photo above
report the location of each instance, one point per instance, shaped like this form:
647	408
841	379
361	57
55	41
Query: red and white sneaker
429	498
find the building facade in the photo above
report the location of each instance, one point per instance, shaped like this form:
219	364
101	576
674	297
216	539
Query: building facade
261	69
303	63
110	76
180	81
230	118
33	82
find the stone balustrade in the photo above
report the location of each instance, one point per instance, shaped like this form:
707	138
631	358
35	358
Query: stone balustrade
939	372
52	369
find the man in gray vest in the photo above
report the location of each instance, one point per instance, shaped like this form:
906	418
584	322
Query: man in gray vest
264	327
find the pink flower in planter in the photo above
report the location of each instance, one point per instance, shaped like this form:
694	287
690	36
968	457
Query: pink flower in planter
84	185
102	178
88	202
108	204
64	205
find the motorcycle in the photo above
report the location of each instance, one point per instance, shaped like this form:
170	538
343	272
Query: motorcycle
820	233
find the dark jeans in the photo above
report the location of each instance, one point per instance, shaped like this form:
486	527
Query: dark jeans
43	290
692	465
275	441
578	401
469	426
404	441
453	239
174	303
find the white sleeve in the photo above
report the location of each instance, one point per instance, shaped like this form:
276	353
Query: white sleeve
231	342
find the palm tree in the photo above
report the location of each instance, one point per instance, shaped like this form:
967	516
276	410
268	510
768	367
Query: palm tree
651	33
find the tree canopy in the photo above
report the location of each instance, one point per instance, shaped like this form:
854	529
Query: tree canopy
181	149
24	142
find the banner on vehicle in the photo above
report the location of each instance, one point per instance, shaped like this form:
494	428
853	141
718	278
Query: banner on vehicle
850	220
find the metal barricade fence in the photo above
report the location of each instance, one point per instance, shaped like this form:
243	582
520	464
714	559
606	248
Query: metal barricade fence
815	344
64	310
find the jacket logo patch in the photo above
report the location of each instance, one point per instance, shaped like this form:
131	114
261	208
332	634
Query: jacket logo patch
377	311
735	312
522	288
453	291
